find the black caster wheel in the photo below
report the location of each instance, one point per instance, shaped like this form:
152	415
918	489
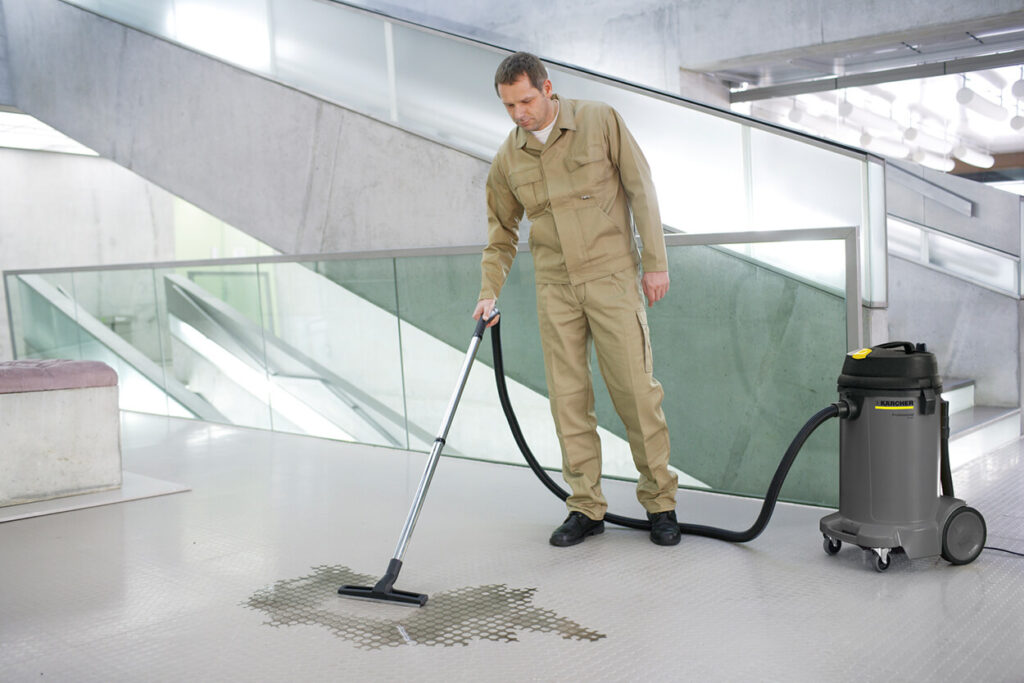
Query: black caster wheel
832	546
881	564
963	536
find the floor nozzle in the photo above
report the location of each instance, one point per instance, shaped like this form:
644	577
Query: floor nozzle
384	591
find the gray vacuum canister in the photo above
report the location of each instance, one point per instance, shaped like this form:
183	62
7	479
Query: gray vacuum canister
890	448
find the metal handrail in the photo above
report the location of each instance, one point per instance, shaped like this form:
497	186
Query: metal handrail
849	235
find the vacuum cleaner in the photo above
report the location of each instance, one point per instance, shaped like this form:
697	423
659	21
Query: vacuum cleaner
893	458
894	422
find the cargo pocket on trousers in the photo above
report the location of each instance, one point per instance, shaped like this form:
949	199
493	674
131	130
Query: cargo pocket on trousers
641	317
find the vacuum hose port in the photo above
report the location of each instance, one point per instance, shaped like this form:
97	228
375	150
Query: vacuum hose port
847	410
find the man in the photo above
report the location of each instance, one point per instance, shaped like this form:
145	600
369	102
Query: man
578	175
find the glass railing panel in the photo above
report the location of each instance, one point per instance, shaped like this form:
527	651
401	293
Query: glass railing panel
746	353
970	261
436	296
799	185
213	343
696	160
907	240
332	344
874	255
445	89
819	262
137	391
123	302
39	329
369	350
339	55
53	312
155	16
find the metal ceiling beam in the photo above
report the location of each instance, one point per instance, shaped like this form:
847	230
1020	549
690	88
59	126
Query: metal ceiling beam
955	66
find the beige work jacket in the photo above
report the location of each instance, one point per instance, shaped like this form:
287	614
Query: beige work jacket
578	191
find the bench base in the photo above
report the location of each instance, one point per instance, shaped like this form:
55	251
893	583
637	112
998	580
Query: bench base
59	443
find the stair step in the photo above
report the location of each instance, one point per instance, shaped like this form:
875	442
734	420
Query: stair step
978	430
959	392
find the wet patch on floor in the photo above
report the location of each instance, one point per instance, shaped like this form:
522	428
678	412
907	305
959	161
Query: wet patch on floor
492	612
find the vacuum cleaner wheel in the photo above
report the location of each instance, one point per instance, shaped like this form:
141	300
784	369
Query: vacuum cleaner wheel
964	536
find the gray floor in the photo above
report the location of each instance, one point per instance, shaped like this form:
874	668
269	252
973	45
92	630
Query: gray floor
236	580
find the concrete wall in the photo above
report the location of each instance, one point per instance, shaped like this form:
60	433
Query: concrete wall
996	216
295	172
974	332
61	210
6	93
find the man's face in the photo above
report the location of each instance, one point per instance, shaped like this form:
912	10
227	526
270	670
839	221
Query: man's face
530	108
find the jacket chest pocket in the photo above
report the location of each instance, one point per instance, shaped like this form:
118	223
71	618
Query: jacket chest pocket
587	167
529	188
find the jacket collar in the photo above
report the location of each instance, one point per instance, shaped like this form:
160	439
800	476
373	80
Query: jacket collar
566	120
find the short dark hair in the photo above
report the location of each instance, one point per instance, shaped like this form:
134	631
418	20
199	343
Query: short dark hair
515	65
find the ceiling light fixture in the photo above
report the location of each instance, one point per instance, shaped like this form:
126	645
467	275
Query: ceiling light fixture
932	160
917	137
1017	122
992	77
973	157
972	100
1017	89
887	148
866	118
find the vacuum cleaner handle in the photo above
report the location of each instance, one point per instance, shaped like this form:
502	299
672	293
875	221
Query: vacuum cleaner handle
907	346
482	323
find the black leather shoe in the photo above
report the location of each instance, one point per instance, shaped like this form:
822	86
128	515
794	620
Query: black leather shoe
576	527
664	527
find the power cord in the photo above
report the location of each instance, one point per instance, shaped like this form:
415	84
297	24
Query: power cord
1003	550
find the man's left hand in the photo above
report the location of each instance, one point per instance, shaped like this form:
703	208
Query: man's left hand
655	286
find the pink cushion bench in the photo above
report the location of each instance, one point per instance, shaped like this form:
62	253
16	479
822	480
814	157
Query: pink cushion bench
60	429
52	374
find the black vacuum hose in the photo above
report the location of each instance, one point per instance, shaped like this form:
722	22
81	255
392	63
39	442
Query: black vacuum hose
750	534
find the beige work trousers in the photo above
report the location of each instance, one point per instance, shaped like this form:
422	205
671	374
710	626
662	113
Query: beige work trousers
608	312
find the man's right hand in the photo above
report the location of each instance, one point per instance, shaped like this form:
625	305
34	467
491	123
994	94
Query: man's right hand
484	308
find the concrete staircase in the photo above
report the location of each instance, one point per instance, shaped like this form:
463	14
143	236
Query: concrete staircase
976	429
